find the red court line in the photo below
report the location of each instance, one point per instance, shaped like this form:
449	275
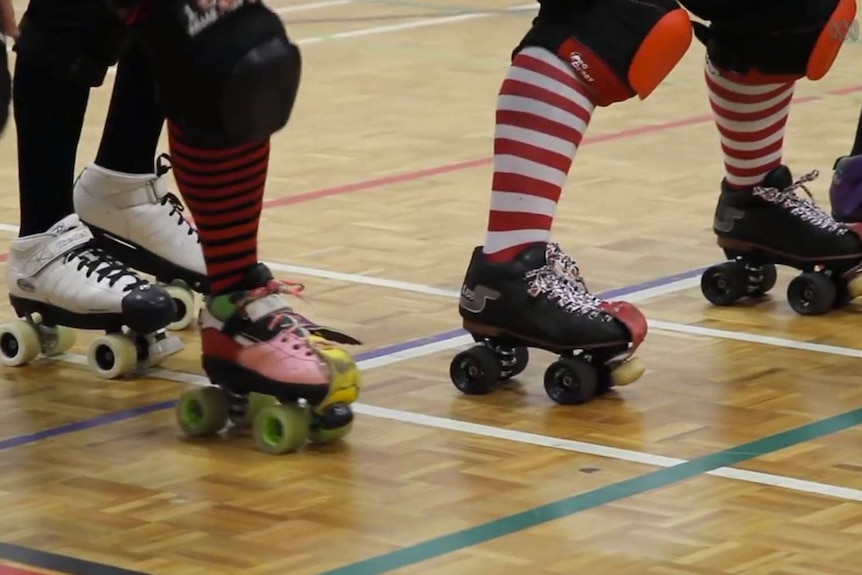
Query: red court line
478	162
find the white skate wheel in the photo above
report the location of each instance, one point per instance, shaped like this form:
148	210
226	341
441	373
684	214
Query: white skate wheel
60	339
628	373
112	356
184	299
19	343
854	287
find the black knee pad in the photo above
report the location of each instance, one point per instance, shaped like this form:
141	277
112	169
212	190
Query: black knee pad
224	80
619	48
76	39
788	38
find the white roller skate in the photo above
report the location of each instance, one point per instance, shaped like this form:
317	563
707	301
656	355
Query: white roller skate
137	220
60	280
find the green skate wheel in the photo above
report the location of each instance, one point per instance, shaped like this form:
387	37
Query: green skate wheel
281	428
256	402
202	412
324	436
332	424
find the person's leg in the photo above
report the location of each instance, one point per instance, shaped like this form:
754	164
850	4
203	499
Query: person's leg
124	198
577	56
760	220
220	120
54	268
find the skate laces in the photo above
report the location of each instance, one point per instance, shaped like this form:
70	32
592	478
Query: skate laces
177	208
547	281
804	208
163	166
281	316
94	260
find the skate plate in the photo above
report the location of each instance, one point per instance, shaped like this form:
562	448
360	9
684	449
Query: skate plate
578	376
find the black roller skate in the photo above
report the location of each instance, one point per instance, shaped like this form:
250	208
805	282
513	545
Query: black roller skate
60	280
137	220
539	301
770	224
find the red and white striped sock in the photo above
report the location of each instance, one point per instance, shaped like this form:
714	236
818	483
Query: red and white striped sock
750	119
543	111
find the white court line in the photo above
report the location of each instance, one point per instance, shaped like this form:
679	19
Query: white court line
547	441
637	296
572	446
422	23
310	6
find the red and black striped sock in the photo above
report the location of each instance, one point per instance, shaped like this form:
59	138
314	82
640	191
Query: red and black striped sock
223	189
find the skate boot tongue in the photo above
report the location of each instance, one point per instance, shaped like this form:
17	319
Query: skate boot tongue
779	178
533	256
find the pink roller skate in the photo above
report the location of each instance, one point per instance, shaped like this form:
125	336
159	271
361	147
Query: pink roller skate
270	368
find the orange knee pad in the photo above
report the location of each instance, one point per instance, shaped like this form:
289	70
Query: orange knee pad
660	52
831	39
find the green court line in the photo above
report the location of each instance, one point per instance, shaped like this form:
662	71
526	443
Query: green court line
591	499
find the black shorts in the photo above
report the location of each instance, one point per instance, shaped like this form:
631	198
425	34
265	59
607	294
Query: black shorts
77	39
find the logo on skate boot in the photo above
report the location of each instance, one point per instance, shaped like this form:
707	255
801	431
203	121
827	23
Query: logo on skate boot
725	219
476	299
26	285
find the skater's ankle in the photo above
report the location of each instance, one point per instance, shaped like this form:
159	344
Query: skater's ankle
40	226
507	254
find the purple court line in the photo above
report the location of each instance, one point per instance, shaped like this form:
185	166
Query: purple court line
127	414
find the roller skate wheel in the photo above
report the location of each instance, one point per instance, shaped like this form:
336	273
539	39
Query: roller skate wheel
19	343
60	339
475	371
202	412
628	373
333	424
281	428
812	293
724	284
112	356
256	402
854	287
324	436
184	300
571	381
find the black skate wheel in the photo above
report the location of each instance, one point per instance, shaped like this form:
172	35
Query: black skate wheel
843	293
475	371
761	279
812	293
724	284
571	381
515	362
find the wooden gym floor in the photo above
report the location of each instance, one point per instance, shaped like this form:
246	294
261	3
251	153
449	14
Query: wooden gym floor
737	453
